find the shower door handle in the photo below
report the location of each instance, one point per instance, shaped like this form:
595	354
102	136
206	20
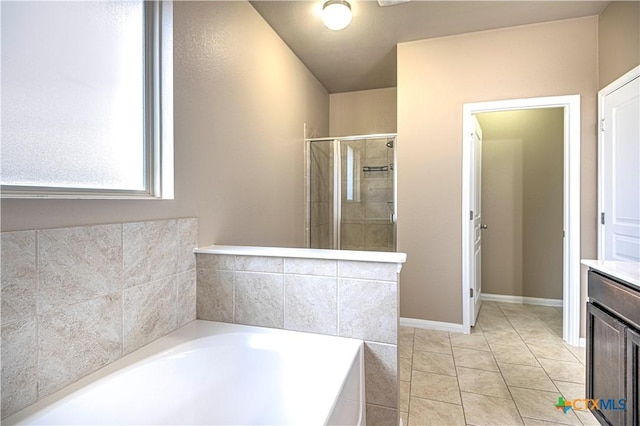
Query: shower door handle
393	218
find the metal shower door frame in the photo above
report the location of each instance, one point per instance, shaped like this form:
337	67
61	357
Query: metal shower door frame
337	184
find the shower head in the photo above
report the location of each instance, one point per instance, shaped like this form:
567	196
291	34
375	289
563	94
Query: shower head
390	144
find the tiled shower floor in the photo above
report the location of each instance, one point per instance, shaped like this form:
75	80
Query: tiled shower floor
509	371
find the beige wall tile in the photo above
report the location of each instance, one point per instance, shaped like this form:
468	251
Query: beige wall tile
381	374
311	267
150	251
368	270
310	304
92	328
187	235
216	261
381	416
186	292
76	264
259	299
368	310
149	312
214	298
19	275
19	365
259	264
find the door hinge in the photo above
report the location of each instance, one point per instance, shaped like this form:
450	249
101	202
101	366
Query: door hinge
471	215
470	292
602	218
602	122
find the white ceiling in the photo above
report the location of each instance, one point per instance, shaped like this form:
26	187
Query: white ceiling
363	56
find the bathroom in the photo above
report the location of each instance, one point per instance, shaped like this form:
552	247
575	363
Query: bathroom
239	116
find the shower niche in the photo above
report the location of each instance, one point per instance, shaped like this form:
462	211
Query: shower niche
351	192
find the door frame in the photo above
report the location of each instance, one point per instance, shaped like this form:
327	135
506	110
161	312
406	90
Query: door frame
571	203
602	94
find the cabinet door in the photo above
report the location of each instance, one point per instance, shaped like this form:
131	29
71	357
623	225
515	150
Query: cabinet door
633	377
605	363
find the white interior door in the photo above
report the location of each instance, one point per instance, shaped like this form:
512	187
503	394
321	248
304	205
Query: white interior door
619	165
475	217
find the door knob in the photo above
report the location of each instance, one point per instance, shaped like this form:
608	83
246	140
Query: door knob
484	226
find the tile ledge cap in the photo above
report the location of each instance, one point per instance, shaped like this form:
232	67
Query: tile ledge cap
306	253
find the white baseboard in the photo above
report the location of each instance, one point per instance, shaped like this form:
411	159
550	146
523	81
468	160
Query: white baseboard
521	299
431	325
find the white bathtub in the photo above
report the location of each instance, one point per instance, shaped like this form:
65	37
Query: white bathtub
217	373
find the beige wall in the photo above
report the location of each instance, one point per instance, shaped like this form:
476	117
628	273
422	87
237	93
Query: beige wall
239	115
435	78
618	40
364	112
522	202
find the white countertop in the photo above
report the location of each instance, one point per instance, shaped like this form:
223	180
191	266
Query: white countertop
362	256
625	271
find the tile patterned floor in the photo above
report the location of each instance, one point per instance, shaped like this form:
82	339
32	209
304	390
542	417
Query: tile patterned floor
509	371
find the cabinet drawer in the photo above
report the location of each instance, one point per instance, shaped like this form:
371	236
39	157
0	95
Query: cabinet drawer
616	297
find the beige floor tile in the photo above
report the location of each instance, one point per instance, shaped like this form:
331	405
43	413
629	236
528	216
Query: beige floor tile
536	422
540	405
437	387
404	417
476	329
469	341
488	410
405	388
563	371
405	348
472	358
539	336
505	354
436	343
405	369
482	382
423	412
552	351
525	376
587	418
406	331
504	337
579	353
495	324
571	391
433	362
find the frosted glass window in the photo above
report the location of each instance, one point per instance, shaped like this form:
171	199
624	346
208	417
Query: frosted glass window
74	96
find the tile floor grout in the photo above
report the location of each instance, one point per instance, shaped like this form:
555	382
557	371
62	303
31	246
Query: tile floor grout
518	336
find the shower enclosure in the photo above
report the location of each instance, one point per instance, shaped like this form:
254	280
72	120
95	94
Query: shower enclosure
351	192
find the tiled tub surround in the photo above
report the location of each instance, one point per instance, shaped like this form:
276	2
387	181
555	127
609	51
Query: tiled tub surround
340	293
77	299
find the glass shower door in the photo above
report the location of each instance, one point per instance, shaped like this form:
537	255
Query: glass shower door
352	193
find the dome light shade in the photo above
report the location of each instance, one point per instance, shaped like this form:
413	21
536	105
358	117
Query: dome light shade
336	14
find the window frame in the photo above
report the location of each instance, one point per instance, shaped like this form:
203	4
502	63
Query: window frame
158	120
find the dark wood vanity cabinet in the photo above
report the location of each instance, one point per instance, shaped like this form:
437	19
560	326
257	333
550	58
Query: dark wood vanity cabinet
613	342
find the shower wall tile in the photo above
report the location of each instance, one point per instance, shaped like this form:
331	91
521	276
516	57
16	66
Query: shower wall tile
18	275
218	262
310	304
186	293
368	310
149	312
150	251
63	293
214	298
187	240
311	267
259	264
368	270
259	299
76	264
78	339
353	234
19	365
381	374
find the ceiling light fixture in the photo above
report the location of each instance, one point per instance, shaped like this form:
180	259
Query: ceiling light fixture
336	14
